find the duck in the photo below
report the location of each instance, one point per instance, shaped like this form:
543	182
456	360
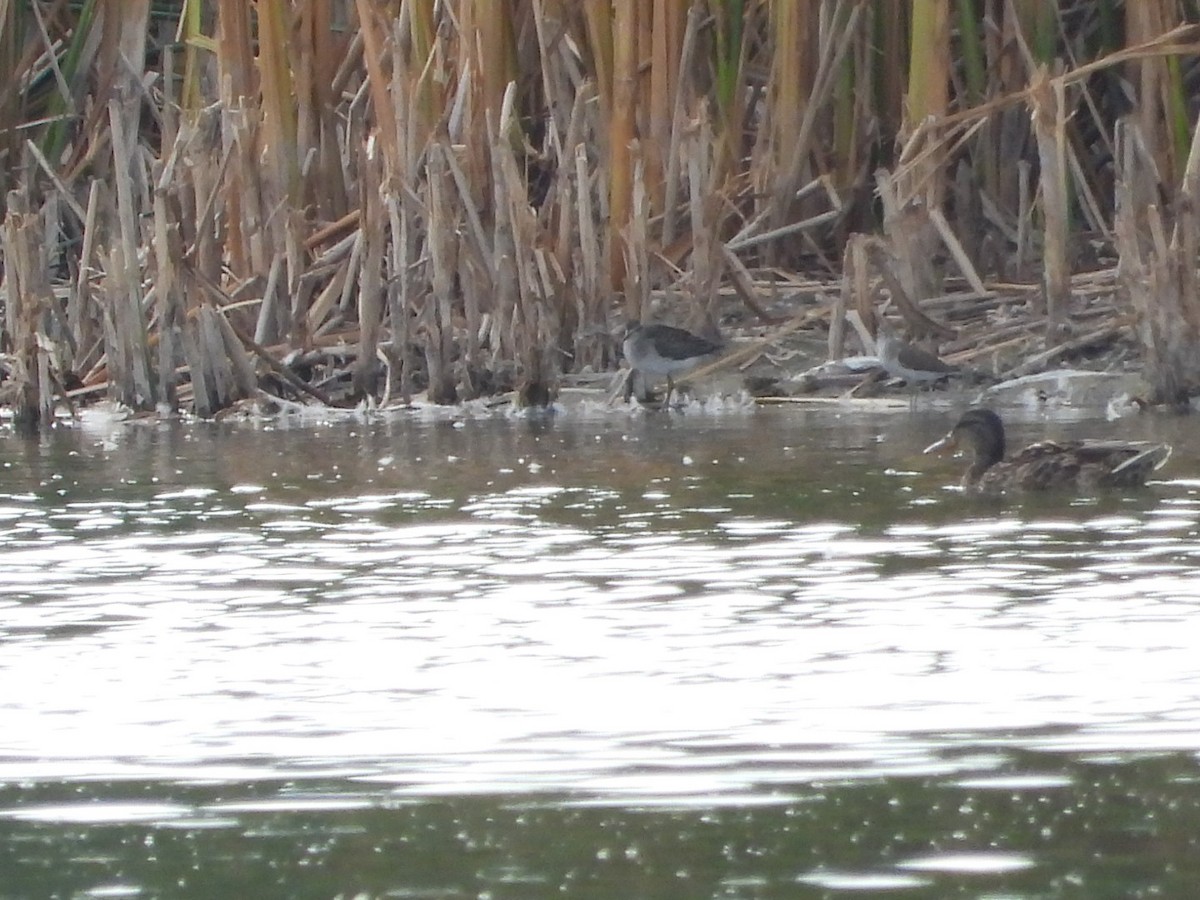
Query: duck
1047	465
664	351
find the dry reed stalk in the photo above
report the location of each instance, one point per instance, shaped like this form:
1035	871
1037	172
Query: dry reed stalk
750	235
211	161
320	54
189	94
1041	360
243	246
213	177
558	216
851	108
211	364
12	69
1157	270
234	47
474	274
954	246
791	151
892	270
705	204
475	237
912	242
1049	121
220	368
1162	97
666	41
1086	199
421	29
276	146
622	129
598	27
349	277
398	351
637	260
887	39
130	329
244	378
81	304
488	30
253	196
378	81
508	327
322	313
751	349
402	148
859	284
744	285
371	304
563	97
730	89
26	291
591	273
278	92
928	93
794	28
271	305
438	312
855	287
166	250
524	276
676	123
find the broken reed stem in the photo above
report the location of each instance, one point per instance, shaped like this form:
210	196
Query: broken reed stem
371	305
170	303
27	390
438	318
1048	102
498	242
622	128
1157	271
135	383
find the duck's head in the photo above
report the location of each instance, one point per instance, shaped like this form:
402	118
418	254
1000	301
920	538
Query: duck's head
979	432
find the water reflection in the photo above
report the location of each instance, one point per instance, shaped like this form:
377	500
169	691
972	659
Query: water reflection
768	615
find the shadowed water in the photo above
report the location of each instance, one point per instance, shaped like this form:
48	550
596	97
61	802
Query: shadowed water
750	654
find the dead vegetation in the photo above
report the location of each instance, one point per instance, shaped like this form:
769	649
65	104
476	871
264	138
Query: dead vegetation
341	201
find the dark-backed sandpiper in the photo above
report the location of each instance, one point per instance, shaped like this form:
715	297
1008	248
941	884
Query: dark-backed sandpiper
663	351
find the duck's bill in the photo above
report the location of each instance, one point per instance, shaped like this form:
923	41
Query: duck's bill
945	445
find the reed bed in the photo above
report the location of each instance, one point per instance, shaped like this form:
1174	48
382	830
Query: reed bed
363	201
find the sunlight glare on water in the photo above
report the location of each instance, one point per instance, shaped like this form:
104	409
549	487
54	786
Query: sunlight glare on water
671	614
497	640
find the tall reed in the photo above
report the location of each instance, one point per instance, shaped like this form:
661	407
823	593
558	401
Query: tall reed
462	197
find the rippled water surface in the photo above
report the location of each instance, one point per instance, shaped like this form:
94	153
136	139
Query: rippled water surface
747	654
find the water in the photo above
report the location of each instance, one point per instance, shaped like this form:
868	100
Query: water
739	655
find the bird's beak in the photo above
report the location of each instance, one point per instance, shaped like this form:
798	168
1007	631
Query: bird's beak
948	444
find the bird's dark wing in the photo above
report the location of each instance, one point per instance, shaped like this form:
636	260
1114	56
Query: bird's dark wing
922	360
1040	466
1080	464
678	343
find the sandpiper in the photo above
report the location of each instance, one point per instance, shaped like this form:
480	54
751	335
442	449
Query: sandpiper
912	364
663	351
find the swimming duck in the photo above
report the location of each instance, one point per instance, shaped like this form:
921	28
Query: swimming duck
663	351
1078	465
